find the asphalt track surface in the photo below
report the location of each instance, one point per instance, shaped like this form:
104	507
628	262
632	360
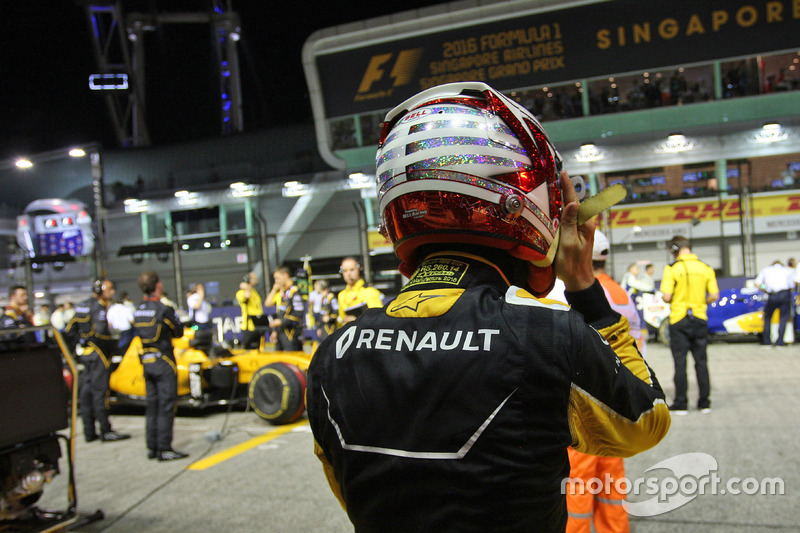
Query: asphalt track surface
245	475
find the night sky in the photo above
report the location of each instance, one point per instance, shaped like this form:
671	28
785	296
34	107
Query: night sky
47	58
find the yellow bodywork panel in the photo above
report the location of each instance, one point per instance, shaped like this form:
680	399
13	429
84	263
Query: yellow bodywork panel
249	361
128	378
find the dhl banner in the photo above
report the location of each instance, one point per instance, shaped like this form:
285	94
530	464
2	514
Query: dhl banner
771	213
378	243
576	43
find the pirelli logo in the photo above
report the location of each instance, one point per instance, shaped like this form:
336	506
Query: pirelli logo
398	67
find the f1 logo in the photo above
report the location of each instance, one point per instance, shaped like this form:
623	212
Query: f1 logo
402	70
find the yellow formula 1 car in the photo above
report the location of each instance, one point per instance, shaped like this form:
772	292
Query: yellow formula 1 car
274	383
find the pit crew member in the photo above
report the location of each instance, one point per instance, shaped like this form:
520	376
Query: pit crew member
290	308
89	327
157	324
357	295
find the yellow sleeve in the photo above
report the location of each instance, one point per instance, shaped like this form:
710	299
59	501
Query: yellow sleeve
616	405
625	418
328	469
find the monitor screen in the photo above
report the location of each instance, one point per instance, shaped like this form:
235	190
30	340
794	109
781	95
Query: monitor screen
691	176
733	173
659	180
619	181
34	399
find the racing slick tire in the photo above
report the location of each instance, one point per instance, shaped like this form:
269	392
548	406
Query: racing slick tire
277	393
663	332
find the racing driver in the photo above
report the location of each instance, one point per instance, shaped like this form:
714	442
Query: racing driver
452	408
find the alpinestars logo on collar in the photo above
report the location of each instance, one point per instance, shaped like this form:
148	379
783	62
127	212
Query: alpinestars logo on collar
414	302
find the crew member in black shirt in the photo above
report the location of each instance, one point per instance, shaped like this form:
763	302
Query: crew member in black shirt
89	328
157	324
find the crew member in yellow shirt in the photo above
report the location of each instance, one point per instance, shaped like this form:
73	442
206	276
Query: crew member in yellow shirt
250	302
689	285
357	296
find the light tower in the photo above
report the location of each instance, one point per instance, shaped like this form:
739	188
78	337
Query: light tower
120	53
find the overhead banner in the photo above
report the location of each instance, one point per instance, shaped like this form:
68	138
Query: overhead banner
569	44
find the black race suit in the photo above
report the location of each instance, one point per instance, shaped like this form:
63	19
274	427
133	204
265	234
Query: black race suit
90	328
292	312
157	324
451	409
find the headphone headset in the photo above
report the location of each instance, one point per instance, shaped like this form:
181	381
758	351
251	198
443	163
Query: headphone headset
358	265
674	249
97	286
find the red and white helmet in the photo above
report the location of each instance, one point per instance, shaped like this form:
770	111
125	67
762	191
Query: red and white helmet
462	163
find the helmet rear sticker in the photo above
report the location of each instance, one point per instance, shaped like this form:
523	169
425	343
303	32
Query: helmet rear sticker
415	213
415	115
